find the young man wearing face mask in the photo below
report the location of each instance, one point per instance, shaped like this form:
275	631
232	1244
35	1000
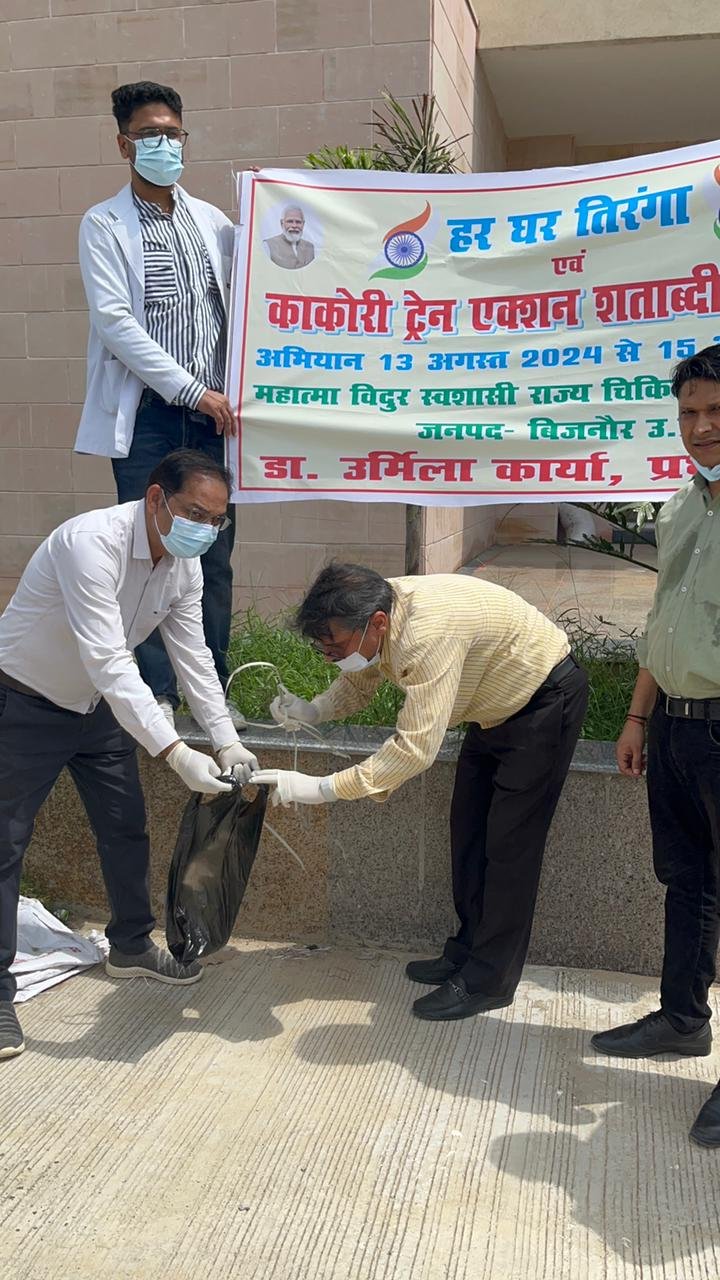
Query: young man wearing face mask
156	268
677	702
71	695
462	650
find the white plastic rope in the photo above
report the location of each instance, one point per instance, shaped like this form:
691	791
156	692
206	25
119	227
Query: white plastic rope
297	724
257	724
284	843
289	728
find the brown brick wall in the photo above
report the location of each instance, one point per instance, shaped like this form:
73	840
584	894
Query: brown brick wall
263	82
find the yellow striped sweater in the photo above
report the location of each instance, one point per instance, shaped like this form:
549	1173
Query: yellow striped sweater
461	649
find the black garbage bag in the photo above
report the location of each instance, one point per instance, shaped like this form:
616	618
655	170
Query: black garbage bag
210	868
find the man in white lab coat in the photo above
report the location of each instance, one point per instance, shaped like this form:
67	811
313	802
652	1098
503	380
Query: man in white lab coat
156	268
72	696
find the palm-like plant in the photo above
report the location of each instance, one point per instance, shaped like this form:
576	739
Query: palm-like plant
409	141
628	519
342	158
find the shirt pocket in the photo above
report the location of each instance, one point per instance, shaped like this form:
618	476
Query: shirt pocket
154	604
705	585
149	616
161	282
703	620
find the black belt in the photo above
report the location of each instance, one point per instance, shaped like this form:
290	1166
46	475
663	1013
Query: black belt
17	686
690	708
563	668
11	683
150	397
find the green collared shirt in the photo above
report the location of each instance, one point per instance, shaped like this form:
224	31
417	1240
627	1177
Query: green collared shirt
681	644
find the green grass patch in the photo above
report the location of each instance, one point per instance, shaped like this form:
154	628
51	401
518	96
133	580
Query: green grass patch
607	654
302	669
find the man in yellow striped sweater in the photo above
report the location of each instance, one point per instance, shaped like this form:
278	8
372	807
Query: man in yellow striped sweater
463	650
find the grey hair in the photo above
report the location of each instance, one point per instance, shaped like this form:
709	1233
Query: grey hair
345	593
292	208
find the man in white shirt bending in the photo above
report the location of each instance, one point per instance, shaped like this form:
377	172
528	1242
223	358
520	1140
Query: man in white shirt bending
71	695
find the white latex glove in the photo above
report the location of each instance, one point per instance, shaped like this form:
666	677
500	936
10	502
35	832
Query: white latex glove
198	771
239	759
292	712
295	788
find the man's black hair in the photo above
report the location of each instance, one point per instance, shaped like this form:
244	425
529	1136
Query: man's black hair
129	97
175	469
705	365
346	593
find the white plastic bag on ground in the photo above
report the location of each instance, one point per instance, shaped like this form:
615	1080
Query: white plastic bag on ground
49	952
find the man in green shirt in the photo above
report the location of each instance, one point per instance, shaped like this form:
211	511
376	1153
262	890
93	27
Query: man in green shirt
677	698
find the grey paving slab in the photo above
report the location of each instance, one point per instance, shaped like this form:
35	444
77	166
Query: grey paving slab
287	1118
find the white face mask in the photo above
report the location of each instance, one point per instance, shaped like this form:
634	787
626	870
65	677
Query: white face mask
355	661
711	474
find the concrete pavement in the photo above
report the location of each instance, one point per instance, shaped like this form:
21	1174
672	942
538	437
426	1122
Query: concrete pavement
287	1118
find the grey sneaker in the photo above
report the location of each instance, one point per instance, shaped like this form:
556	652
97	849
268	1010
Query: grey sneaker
12	1041
152	963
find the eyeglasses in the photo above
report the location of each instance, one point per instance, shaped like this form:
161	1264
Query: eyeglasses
198	516
155	136
333	648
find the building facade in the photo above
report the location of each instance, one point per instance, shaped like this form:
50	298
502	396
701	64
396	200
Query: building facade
523	83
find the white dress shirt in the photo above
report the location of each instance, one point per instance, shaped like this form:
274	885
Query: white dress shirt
88	597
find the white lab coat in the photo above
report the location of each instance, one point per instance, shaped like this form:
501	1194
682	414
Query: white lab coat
122	358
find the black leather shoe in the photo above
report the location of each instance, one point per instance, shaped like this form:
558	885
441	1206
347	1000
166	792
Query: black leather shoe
706	1129
650	1035
433	972
453	1000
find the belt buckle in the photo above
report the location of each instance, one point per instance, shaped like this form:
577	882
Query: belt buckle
667	704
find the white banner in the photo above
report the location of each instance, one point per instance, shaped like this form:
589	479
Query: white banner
474	338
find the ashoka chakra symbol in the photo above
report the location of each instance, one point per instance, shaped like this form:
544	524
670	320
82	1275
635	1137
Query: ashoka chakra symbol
404	249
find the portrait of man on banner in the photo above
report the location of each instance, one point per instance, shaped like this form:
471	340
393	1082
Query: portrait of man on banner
289	248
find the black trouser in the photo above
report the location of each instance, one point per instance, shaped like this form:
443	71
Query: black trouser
507	786
37	740
160	429
683	774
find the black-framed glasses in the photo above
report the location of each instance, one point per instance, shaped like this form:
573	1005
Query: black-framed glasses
155	136
198	515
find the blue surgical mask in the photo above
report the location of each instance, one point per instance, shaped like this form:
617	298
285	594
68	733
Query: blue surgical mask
355	661
711	474
186	538
162	165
